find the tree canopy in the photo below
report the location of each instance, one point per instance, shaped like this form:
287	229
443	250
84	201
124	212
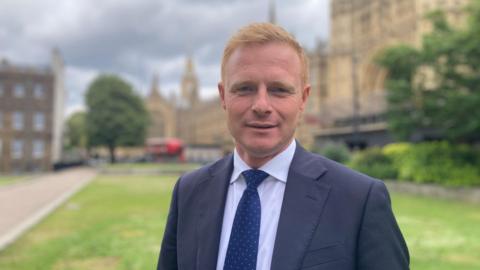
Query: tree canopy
77	131
116	115
436	89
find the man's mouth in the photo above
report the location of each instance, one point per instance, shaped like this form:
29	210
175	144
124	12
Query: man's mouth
261	125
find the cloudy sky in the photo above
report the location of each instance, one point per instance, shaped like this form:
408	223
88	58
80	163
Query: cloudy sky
138	38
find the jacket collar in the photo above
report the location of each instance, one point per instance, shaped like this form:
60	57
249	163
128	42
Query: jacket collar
303	202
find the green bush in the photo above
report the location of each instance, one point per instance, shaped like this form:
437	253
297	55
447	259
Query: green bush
436	162
429	162
335	151
374	162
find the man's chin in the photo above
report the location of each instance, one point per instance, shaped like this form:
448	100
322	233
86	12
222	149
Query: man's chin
263	149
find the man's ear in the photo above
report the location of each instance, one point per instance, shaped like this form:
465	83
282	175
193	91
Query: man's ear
305	94
221	92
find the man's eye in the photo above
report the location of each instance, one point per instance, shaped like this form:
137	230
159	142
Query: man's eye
280	91
244	89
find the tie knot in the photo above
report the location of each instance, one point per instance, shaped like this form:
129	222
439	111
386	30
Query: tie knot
254	177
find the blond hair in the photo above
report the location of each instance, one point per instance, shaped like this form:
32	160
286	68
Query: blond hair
263	33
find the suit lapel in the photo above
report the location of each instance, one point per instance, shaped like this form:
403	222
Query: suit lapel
304	198
211	194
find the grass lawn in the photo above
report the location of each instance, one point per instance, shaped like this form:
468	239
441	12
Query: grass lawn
440	234
114	223
117	223
157	166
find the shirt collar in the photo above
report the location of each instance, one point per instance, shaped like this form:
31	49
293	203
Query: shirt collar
277	167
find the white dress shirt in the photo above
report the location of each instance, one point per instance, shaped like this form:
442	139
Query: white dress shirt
271	192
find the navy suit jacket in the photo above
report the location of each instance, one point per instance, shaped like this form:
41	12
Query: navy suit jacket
331	218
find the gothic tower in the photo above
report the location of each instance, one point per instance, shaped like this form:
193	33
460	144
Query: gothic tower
189	85
162	116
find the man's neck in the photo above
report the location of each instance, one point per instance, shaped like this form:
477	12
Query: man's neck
257	161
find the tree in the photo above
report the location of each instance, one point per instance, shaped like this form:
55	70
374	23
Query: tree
440	89
116	115
77	131
403	116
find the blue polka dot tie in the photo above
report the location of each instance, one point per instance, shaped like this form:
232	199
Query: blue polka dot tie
243	245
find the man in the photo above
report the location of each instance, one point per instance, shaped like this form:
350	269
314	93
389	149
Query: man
272	204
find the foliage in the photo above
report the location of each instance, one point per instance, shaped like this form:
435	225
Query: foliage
116	114
437	88
334	151
374	162
396	149
436	162
429	162
77	131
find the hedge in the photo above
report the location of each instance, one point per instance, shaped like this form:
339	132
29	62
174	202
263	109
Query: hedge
373	162
429	162
335	151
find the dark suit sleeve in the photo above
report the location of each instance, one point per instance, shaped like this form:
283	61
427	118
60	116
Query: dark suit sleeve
168	252
381	244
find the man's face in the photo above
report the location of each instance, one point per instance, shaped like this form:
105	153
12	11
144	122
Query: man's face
263	96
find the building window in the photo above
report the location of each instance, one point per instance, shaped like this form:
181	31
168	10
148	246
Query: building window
19	90
1	89
38	149
39	121
38	90
1	120
17	149
17	120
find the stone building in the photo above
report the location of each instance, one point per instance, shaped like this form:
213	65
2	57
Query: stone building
347	98
31	116
311	120
200	122
161	112
352	105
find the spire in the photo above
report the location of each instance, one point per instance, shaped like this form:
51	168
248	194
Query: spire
271	12
56	59
189	67
155	81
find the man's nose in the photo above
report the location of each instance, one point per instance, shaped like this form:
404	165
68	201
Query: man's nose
261	103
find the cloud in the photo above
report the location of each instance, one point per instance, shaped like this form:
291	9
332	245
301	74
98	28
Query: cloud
76	84
137	39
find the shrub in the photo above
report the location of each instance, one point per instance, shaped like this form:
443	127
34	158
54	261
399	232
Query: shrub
435	162
335	151
429	162
375	163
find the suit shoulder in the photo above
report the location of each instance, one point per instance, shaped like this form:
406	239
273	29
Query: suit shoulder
342	175
189	179
350	185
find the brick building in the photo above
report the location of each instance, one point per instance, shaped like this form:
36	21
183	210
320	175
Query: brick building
31	116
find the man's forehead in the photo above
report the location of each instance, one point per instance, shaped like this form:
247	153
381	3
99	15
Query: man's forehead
251	48
268	55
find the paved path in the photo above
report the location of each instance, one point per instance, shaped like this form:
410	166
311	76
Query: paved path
24	204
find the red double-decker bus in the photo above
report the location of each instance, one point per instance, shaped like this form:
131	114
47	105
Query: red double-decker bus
164	149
